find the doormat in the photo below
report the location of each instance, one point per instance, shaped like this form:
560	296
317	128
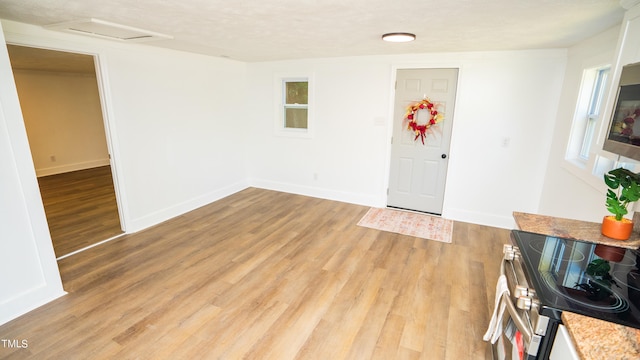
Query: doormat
408	223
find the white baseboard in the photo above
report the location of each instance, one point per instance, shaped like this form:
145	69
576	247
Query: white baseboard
504	222
71	167
342	196
157	217
28	301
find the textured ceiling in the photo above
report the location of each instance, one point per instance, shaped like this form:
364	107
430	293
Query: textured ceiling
293	29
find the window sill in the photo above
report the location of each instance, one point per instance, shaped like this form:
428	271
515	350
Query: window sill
581	171
294	133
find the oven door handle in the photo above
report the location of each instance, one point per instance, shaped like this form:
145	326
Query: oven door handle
522	325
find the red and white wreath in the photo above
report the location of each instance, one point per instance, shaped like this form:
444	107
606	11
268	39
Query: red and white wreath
421	129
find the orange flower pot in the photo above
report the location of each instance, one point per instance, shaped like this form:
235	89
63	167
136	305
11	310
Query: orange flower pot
619	230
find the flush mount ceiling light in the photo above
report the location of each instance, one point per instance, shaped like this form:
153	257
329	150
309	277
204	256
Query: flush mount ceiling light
108	30
398	37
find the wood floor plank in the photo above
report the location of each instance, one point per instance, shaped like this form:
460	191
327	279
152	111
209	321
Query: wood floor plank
81	208
269	275
437	342
333	337
250	335
388	344
293	328
364	344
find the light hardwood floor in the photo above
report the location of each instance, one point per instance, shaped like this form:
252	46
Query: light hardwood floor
81	208
269	275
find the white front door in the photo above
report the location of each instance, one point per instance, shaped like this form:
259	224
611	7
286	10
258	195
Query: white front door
418	171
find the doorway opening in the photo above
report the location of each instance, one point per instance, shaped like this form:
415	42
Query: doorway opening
62	111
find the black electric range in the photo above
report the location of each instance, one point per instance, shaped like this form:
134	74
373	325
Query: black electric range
594	280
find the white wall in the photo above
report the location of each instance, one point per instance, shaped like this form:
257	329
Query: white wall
63	117
176	139
565	194
172	120
569	191
502	96
343	159
28	270
178	130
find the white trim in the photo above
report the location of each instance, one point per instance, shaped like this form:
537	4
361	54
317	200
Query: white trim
89	247
504	222
105	102
102	79
167	213
71	167
28	301
44	284
317	192
279	102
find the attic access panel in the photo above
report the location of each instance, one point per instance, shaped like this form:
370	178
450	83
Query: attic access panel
107	30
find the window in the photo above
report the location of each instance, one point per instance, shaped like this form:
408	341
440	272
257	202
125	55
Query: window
296	106
595	102
592	92
587	163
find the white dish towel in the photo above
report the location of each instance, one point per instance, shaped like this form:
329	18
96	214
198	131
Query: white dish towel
495	325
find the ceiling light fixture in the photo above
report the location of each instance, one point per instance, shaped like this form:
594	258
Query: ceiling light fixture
398	37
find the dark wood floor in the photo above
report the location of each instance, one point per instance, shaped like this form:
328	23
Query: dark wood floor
81	208
269	275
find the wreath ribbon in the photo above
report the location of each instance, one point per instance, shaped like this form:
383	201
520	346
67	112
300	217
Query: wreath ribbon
420	130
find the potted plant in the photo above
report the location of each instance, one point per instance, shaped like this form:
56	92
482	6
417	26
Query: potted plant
624	189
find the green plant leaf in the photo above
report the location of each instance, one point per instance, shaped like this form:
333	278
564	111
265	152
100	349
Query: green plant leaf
627	186
632	193
611	181
616	208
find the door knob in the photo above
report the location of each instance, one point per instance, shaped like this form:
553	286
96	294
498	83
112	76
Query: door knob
444	156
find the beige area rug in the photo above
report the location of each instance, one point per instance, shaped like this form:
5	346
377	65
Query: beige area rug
408	223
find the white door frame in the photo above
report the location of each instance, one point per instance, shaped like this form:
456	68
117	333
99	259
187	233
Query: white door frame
105	101
392	93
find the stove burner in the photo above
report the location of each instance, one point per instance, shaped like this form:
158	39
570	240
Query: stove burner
538	247
619	304
622	277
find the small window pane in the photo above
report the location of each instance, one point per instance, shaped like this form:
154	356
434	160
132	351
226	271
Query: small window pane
295	118
593	111
297	92
588	135
598	92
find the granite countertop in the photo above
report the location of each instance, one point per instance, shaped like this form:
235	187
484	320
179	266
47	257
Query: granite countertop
596	339
571	229
593	338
